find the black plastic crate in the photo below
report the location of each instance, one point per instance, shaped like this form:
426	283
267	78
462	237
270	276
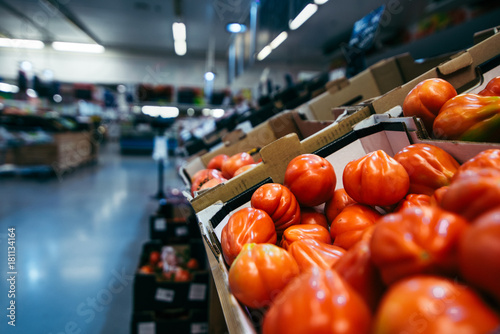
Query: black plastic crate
177	321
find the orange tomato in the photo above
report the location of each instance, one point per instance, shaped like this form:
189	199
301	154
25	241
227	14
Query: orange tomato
347	228
412	200
211	183
243	169
485	159
260	272
217	161
492	88
437	196
310	215
430	305
247	225
305	231
310	253
234	162
203	176
337	203
317	301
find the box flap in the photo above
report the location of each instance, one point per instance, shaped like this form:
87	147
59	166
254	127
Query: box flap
457	63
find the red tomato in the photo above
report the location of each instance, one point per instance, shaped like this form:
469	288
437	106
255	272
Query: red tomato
428	166
192	264
492	88
412	200
203	176
430	305
376	179
311	179
260	272
426	99
245	226
347	228
485	159
310	253
305	231
437	197
279	202
146	269
182	275
318	301
217	161
154	258
233	163
244	169
357	268
418	240
211	183
479	253
337	203
309	215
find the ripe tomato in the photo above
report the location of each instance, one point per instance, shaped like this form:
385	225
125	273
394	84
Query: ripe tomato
154	258
317	301
485	159
311	179
357	269
182	275
426	99
479	251
492	88
376	179
418	240
428	166
243	169
193	264
279	202
309	215
429	305
337	203
146	269
203	176
412	200
305	231
245	226
233	163
475	192
217	161
211	183
260	272
347	228
437	197
310	253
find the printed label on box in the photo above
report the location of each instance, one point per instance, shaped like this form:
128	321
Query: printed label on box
165	295
160	224
199	328
181	231
197	291
146	328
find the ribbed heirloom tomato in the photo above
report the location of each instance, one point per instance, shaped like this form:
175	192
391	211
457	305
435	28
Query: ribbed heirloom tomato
234	162
305	231
203	176
337	203
247	225
310	215
217	161
492	88
484	159
310	253
412	200
311	179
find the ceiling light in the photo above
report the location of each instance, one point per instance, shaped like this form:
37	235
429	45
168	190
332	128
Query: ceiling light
320	2
7	88
303	16
57	98
31	93
163	112
264	52
179	30
26	66
278	40
209	76
236	28
21	43
78	47
218	113
180	47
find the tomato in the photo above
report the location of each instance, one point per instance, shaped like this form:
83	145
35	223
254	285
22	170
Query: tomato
485	159
437	197
260	272
311	216
211	183
305	231
469	117
193	264
182	275
357	269
244	169
244	226
479	253
347	228
146	269
318	301
474	193
492	88
428	166
154	258
418	240
233	163
376	179
311	179
426	99
412	200
203	176
430	305
311	253
217	161
279	202
337	203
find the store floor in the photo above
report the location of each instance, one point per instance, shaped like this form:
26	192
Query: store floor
78	241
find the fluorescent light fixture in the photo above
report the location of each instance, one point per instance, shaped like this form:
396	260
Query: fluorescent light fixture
31	93
278	40
320	2
236	28
303	16
180	48
163	112
179	30
6	88
78	47
21	43
209	76
264	52
218	113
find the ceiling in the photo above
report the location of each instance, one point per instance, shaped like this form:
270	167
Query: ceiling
146	25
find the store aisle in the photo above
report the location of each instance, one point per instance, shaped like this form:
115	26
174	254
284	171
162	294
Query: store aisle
78	240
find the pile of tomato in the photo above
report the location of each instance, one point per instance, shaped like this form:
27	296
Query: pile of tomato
169	266
411	244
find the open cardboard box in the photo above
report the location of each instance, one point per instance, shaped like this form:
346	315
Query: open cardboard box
377	132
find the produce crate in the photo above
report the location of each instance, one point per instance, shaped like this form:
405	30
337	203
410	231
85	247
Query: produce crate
173	230
176	321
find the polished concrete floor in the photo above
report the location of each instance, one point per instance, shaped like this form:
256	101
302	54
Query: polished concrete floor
78	241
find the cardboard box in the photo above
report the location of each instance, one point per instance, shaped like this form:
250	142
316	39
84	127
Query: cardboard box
170	321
